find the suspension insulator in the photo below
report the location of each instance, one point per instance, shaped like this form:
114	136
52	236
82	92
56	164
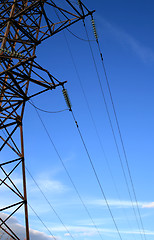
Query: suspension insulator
67	100
94	29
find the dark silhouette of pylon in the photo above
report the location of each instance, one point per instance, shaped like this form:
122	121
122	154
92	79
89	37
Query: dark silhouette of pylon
24	24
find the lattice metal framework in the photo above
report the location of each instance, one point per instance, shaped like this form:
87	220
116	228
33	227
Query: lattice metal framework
24	24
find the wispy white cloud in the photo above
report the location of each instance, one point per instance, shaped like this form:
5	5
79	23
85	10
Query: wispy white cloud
76	231
50	187
98	221
17	181
148	205
114	203
20	230
47	185
91	231
145	53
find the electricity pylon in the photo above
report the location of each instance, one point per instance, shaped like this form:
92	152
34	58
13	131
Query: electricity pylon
24	24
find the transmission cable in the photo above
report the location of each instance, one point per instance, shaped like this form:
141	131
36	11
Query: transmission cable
82	39
86	97
114	136
116	118
111	123
67	101
46	111
49	203
40	187
96	36
90	159
68	174
120	134
56	149
94	124
42	221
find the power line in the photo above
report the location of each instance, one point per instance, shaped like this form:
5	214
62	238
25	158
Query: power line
96	175
69	176
82	39
41	189
42	221
49	203
111	121
118	125
57	151
46	111
121	139
93	121
111	125
68	103
67	100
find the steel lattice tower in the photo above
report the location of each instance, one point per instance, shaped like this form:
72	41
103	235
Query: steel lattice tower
24	24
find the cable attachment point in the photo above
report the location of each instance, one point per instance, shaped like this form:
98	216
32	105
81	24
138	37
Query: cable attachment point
67	100
94	29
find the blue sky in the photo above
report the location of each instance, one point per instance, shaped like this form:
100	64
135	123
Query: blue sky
125	30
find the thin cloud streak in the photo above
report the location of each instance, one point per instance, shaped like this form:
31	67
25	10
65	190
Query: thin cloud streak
48	185
91	231
117	204
145	53
148	205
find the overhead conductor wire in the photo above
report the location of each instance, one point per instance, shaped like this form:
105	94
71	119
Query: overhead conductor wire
86	209
46	111
42	221
94	124
90	159
117	122
49	204
69	106
68	174
36	181
111	125
96	37
107	162
118	126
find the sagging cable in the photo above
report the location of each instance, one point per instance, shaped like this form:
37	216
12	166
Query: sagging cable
67	100
94	28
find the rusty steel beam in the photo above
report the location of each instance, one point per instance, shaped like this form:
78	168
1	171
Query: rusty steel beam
21	31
